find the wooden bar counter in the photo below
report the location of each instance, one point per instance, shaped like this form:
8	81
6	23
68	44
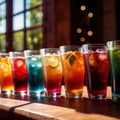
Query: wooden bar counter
32	108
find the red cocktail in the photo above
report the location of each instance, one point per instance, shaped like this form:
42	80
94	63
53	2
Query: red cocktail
20	75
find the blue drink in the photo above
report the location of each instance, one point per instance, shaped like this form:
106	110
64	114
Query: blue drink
35	75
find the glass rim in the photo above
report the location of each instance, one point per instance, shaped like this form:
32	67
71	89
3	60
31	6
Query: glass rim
2	54
16	54
112	44
113	41
68	46
49	48
31	52
44	51
94	47
94	44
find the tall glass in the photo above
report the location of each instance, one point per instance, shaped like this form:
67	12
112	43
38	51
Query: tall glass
96	66
20	75
35	74
6	77
73	70
52	70
114	63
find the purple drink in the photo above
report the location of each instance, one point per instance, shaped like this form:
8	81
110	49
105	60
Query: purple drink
96	66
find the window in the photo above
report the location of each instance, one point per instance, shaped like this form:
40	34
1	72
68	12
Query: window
21	24
2	25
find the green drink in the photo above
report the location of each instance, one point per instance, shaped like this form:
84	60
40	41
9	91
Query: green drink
114	63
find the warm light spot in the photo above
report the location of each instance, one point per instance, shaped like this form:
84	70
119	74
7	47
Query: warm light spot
79	30
90	33
82	39
83	7
90	14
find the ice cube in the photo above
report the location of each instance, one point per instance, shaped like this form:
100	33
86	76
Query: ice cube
102	57
19	63
34	59
100	51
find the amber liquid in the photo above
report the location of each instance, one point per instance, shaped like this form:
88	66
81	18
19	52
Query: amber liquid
6	75
52	70
73	70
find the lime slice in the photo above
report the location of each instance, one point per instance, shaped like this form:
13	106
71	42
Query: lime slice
72	59
53	62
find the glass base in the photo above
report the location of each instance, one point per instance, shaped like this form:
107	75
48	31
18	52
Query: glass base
97	97
7	92
42	93
116	99
19	93
76	95
53	95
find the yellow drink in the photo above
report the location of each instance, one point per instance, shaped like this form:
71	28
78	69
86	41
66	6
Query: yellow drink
6	74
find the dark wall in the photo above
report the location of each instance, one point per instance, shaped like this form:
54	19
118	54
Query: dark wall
117	8
79	19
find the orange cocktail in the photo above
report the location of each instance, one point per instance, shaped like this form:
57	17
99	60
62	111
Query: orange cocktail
52	71
6	74
73	71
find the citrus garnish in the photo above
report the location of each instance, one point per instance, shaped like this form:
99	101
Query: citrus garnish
67	55
92	60
53	62
72	59
76	54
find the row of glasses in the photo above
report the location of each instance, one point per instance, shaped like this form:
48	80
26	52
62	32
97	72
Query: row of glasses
69	62
28	69
72	63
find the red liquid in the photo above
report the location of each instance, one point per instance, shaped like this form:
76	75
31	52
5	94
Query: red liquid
53	84
20	74
96	72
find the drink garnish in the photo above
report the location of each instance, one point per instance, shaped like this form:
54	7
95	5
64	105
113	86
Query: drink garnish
72	59
92	60
53	62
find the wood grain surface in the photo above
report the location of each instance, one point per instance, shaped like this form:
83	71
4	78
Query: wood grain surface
42	108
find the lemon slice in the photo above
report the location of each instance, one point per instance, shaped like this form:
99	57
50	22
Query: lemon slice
53	62
92	60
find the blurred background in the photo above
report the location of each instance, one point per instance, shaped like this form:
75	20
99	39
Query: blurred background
33	24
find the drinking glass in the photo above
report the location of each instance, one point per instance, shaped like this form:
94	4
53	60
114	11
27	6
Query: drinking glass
73	70
6	77
96	66
52	70
20	76
114	63
35	74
